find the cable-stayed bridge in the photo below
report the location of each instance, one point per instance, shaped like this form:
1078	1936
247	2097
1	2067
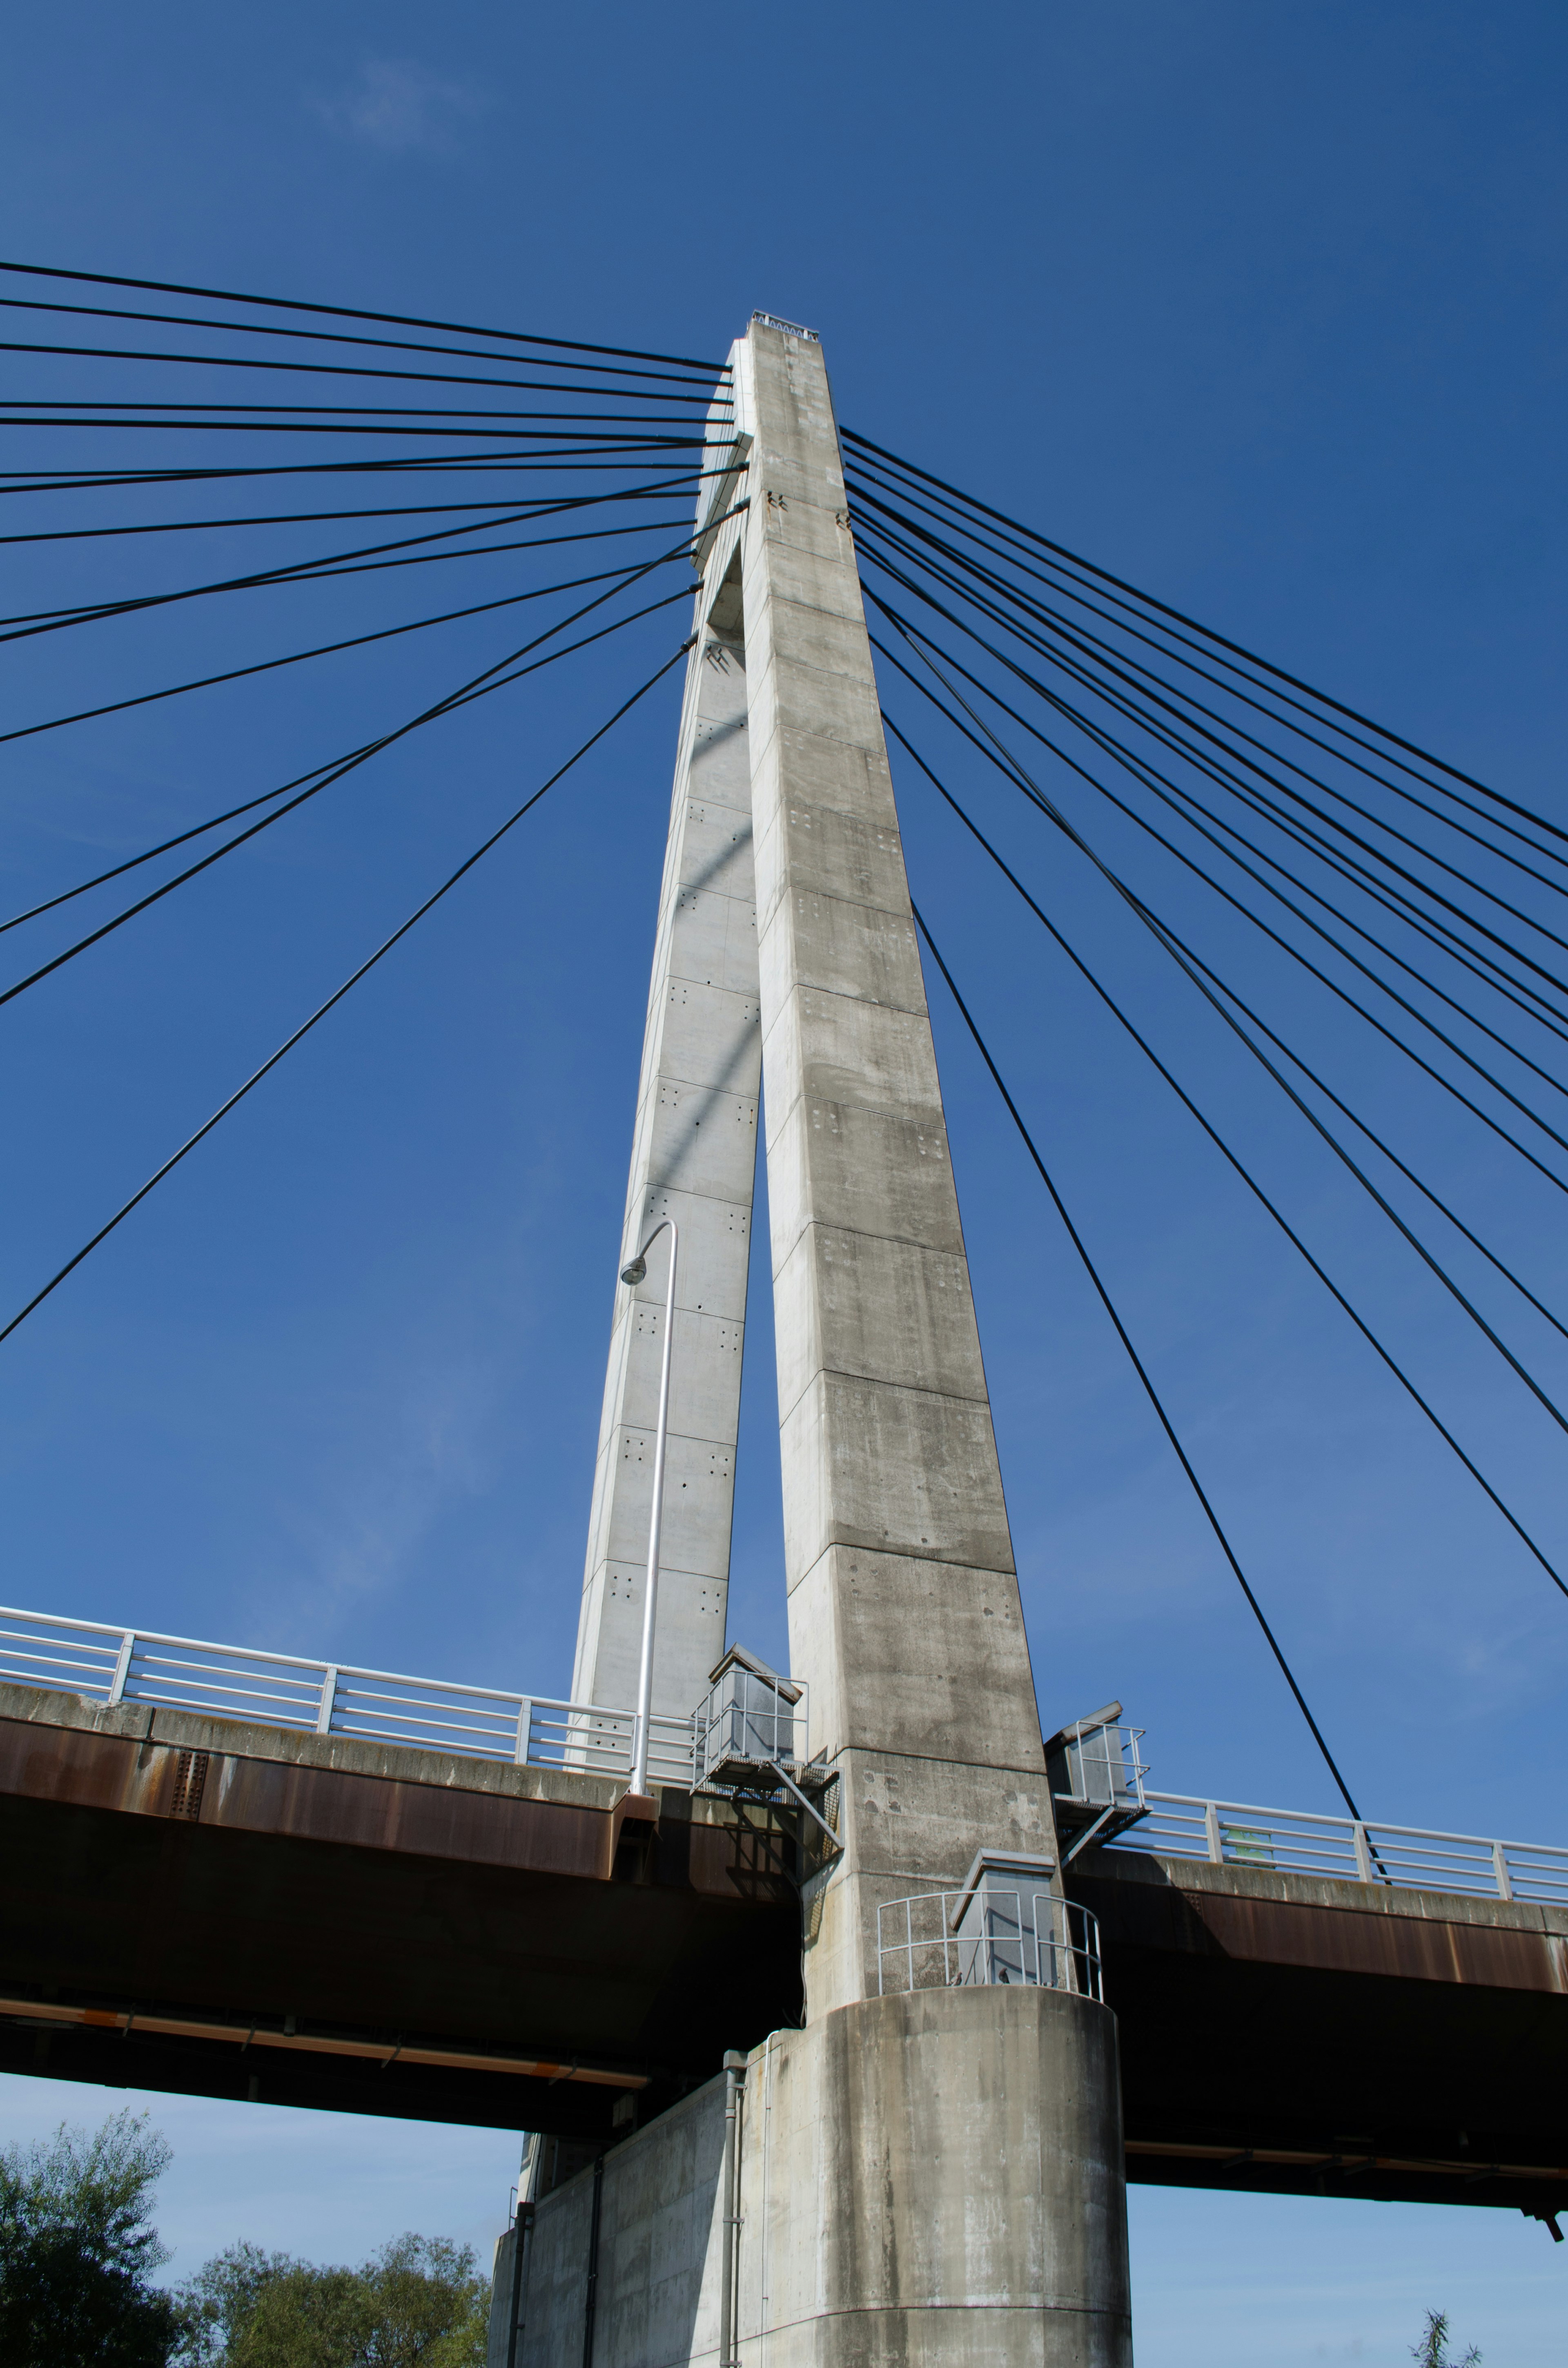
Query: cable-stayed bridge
846	2000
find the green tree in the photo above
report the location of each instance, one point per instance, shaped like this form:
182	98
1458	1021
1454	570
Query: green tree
77	2250
1432	2352
417	2304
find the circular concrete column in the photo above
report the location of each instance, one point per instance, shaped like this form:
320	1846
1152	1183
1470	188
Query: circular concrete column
944	2184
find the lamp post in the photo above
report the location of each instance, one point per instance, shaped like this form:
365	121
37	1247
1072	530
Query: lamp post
632	1275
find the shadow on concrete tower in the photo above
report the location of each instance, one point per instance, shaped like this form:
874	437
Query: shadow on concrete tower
930	2169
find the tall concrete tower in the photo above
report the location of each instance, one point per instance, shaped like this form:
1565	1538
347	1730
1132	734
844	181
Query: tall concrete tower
935	2174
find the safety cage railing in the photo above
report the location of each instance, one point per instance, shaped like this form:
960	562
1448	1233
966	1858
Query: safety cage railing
993	1935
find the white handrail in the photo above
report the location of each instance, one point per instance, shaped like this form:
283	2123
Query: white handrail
1302	1842
109	1665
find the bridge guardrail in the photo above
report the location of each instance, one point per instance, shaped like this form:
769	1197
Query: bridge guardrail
288	1690
1407	1858
111	1665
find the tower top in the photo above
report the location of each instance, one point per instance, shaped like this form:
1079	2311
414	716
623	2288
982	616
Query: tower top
790	329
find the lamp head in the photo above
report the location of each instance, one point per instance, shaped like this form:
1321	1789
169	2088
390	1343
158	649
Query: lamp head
636	1272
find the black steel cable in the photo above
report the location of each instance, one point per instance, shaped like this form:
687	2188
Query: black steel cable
1105	659
329	568
323	418
1197	758
1054	621
1220	640
444	464
1178	951
321	1011
1412	914
343	338
1179	797
1002	546
1151	612
680	484
1475	959
356	312
443	706
401	426
327	649
344	370
1403	1002
1438	932
916	641
1137	1362
1247	1177
334	769
1289	1054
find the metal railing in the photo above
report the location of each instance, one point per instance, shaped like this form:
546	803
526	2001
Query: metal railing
114	1665
750	1723
960	1940
1407	1858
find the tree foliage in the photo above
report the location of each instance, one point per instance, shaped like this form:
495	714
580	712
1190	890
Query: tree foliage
1432	2352
417	2304
77	2250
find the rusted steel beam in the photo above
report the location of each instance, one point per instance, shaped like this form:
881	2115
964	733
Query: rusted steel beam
1303	2158
33	2012
485	1943
1303	2035
1264	1916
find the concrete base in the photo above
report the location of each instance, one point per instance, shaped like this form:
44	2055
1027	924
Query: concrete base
930	2177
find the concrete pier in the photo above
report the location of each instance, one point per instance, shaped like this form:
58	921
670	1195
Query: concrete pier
903	2199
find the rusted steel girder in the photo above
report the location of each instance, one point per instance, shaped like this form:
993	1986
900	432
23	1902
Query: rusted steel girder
201	1904
1305	2035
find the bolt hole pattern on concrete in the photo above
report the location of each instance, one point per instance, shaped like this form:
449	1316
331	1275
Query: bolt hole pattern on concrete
938	2177
694	1159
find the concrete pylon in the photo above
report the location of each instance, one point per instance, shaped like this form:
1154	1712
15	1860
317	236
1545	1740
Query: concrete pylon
693	1158
925	2174
905	1616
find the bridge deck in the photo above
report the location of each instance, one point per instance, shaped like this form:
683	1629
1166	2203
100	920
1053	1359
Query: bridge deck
209	1906
1311	2036
220	1908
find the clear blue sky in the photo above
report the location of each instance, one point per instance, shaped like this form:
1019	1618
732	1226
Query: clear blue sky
1260	307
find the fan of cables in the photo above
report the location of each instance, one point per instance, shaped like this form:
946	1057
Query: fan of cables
204	455
1426	905
210	466
399	446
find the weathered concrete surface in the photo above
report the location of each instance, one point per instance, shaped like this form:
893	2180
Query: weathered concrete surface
656	2292
506	2303
905	1616
928	2177
693	1158
931	2178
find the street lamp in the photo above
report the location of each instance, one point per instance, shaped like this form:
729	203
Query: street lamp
632	1275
